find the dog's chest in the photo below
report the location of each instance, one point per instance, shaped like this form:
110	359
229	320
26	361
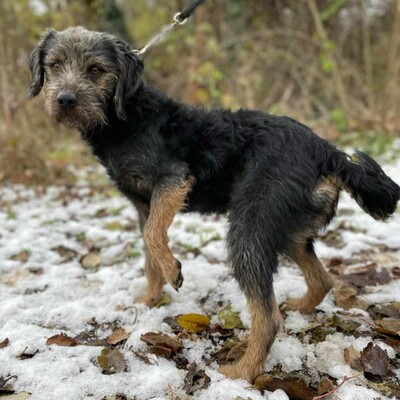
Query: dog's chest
131	176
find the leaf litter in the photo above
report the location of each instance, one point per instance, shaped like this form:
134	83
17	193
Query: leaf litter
196	330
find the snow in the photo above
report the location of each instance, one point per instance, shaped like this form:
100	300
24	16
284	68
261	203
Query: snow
45	296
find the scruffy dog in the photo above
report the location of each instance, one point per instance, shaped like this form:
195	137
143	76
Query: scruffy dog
277	180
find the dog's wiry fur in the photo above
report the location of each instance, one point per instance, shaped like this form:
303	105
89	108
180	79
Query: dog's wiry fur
276	179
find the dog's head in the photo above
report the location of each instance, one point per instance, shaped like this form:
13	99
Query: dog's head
84	73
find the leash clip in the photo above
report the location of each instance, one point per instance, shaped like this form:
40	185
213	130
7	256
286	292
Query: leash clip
179	20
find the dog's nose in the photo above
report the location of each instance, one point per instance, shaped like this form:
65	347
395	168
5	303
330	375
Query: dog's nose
67	100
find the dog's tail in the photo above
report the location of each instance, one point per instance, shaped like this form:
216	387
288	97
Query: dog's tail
372	189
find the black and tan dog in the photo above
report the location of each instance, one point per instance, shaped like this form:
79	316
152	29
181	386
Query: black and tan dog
276	179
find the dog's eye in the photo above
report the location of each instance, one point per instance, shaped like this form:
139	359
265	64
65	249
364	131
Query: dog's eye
56	67
95	71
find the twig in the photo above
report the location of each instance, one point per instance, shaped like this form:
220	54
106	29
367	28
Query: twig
345	379
170	393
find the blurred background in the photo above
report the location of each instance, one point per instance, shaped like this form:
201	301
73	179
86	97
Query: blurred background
332	64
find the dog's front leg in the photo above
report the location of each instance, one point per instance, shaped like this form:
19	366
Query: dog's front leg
154	275
167	199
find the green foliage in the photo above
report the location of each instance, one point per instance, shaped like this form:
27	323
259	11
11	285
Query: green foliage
332	9
339	119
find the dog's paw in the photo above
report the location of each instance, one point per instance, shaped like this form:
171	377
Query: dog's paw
237	372
302	305
148	299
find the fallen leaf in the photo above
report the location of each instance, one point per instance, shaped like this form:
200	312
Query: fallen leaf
333	262
62	340
237	352
344	325
6	388
368	276
352	358
391	310
144	358
22	256
117	336
165	300
193	323
19	396
296	387
65	253
230	319
345	295
180	361
4	343
389	326
195	380
374	361
161	344
114	226
396	272
325	385
103	212
320	333
25	355
91	260
111	361
391	390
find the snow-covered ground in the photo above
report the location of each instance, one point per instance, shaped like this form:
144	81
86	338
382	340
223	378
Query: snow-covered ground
44	291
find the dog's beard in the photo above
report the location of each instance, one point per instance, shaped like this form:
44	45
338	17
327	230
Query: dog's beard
80	117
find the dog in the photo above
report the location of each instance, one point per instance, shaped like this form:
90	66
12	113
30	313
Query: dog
277	181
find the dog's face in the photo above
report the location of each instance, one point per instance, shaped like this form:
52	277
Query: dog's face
84	73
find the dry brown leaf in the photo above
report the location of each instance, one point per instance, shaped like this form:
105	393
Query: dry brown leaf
294	386
345	295
325	385
25	355
161	344
22	256
374	361
91	260
117	336
195	380
368	275
62	340
4	343
193	323
65	253
389	326
352	358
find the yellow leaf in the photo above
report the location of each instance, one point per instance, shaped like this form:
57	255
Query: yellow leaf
193	322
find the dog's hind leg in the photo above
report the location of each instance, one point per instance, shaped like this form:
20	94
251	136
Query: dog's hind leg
167	199
319	281
253	256
153	274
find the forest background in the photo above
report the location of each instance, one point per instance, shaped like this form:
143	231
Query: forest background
332	64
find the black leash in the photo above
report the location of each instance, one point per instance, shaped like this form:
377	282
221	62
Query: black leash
179	19
186	13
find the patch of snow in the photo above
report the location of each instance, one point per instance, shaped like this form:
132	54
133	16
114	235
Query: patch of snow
63	297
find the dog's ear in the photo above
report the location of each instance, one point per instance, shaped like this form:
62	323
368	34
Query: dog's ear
130	69
36	63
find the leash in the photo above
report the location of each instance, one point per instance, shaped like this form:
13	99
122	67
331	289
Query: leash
179	19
